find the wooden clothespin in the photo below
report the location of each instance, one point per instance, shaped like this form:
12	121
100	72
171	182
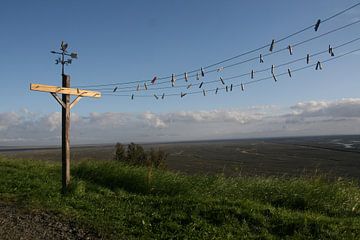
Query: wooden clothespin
231	87
307	58
183	95
318	66
153	80
289	72
78	90
186	76
272	69
197	76
261	58
113	90
252	74
145	86
201	84
162	97
156	96
331	51
189	86
317	25
173	79
290	50
222	81
274	77
272	45
216	91
242	87
138	87
226	88
202	72
204	93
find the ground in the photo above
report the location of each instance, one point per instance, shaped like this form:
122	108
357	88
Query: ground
17	223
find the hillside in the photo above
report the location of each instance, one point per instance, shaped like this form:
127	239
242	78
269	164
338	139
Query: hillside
121	202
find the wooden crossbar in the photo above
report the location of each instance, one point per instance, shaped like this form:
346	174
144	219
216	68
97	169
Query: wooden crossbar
63	90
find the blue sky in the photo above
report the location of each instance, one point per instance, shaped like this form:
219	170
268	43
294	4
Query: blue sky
120	41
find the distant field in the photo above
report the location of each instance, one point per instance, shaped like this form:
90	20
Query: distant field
337	156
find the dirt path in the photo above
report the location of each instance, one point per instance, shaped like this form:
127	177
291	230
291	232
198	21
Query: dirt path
21	224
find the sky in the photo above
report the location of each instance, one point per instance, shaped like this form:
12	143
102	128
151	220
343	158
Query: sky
122	41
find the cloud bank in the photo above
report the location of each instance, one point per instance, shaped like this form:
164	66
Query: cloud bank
304	118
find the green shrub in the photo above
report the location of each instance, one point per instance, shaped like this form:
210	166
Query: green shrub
135	155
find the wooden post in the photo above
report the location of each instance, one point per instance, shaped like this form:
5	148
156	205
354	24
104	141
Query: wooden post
66	91
65	135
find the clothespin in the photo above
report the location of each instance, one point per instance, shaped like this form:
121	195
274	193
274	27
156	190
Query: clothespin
222	81
289	72
318	66
173	84
220	69
272	69
242	87
290	50
186	76
113	90
145	86
138	87
156	96
272	45
204	93
189	86
216	91
307	58
173	79
202	72
132	97
252	74
231	87
317	24
261	58
226	88
274	77
201	84
162	97
78	90
331	51
183	94
197	76
153	80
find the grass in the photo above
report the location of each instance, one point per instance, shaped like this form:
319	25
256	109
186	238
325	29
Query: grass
123	202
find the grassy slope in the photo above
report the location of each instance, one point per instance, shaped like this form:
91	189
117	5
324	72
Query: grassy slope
119	202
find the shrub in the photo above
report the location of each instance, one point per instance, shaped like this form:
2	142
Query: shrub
120	152
136	155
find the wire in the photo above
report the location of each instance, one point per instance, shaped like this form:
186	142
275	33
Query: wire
240	75
244	83
241	62
234	57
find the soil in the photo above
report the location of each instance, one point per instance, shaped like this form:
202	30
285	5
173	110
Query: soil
17	223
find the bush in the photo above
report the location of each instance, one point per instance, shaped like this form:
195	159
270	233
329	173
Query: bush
120	152
136	155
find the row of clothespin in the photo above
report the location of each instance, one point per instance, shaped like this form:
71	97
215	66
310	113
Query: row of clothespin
261	59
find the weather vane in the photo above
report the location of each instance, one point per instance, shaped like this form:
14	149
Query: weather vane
61	60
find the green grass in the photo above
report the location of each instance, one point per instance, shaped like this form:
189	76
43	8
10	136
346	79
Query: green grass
122	202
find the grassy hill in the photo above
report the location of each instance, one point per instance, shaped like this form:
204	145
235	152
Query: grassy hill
123	202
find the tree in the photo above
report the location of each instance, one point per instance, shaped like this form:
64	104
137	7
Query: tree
120	152
136	155
157	158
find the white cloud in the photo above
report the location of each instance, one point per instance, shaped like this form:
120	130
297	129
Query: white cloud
304	118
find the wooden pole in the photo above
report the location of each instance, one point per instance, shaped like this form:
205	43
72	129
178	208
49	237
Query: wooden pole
65	135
